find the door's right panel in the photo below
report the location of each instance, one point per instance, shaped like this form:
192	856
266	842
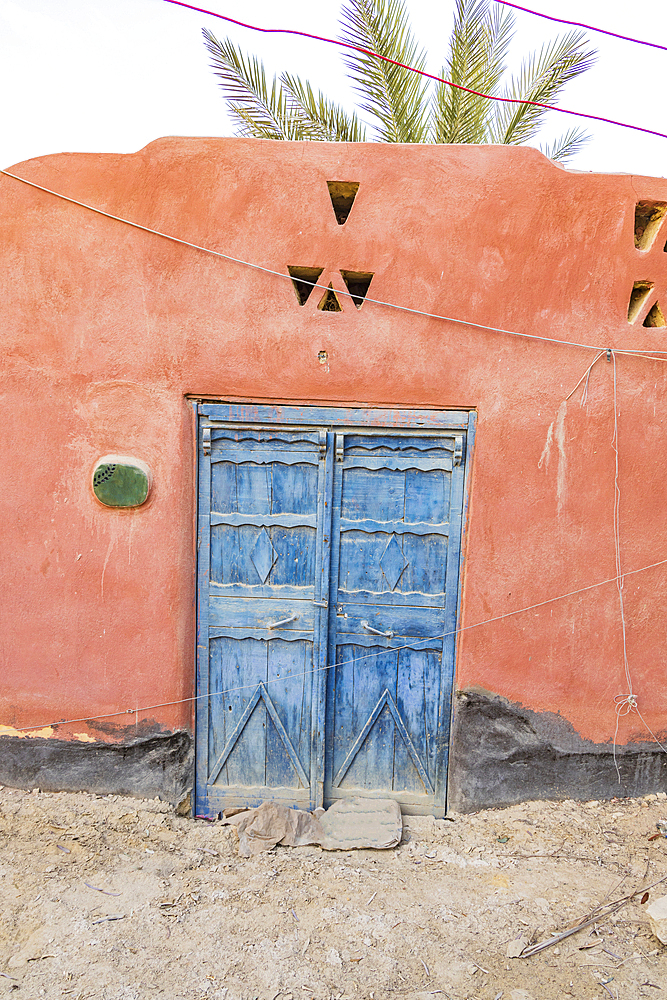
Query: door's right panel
395	559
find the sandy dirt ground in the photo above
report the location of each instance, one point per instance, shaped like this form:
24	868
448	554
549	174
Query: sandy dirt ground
121	899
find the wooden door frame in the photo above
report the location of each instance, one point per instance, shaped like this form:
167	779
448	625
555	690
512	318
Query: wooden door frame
343	417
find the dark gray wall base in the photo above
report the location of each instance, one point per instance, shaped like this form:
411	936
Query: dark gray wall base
160	766
503	753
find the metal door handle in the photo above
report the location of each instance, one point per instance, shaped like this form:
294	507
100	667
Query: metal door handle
284	621
369	628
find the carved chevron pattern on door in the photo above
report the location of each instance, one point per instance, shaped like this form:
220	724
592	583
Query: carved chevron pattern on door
385	699
260	694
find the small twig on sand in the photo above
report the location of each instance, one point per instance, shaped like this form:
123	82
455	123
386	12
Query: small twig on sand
485	971
105	891
596	915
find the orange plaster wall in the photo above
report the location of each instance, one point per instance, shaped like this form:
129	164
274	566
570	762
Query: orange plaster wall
106	330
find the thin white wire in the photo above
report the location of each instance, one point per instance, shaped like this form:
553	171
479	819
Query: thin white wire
315	284
646	355
624	703
661	745
617	531
330	666
586	375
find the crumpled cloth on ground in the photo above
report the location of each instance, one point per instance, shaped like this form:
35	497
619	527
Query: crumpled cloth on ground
348	823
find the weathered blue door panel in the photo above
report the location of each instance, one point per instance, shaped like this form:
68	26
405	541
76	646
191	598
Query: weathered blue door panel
396	536
328	581
261	517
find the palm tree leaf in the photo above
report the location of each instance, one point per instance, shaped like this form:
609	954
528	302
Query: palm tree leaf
326	120
394	96
476	60
541	78
260	110
566	145
404	105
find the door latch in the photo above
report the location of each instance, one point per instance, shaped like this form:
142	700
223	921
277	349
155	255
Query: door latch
283	621
369	628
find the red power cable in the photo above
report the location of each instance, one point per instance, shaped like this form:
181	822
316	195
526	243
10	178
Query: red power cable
421	72
579	24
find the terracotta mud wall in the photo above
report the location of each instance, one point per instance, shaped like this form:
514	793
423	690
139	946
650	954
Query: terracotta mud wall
107	330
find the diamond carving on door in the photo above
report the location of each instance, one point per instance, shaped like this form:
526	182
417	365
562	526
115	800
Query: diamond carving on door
263	555
392	562
328	585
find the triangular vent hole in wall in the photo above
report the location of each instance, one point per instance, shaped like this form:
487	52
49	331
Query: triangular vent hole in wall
655	317
638	296
648	220
303	279
329	301
357	284
342	194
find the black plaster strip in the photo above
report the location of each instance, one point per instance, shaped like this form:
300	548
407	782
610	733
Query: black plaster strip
503	753
160	766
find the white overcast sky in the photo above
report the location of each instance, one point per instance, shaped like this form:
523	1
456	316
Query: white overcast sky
111	75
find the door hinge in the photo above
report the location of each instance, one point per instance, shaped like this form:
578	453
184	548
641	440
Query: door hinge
458	449
206	440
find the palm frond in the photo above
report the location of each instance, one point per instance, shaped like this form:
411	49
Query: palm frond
404	106
323	118
567	145
394	96
542	78
476	60
259	110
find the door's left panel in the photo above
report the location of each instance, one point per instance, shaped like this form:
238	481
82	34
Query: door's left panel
261	616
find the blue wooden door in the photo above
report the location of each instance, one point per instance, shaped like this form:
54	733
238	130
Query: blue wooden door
327	601
396	541
262	610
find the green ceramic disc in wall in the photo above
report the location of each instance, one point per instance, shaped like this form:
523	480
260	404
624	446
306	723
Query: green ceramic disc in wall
119	484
